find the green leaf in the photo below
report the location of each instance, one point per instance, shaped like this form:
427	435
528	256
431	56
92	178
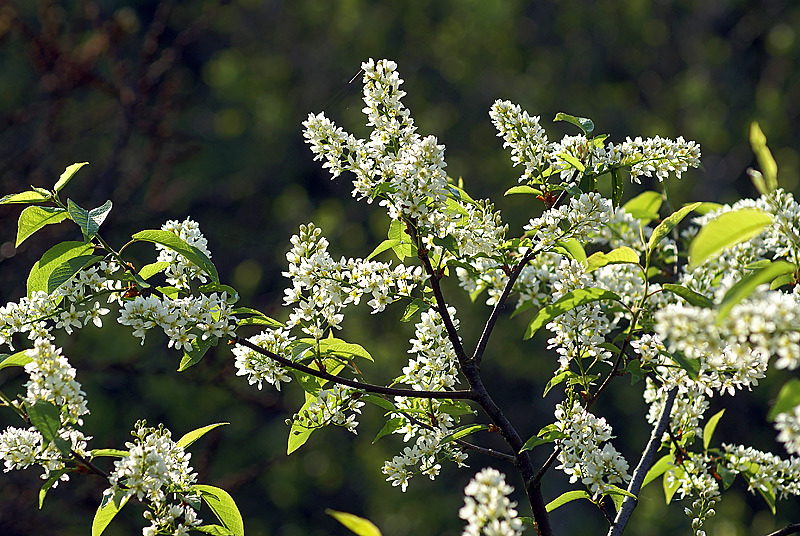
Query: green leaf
548	434
53	477
298	435
617	187
223	506
53	258
586	125
199	349
569	496
572	161
644	206
567	302
194	435
64	271
383	246
786	279
213	530
67	175
668	224
692	297
745	286
658	469
463	431
707	206
788	399
570	248
618	495
260	319
107	510
389	428
758	181
671	488
765	160
397	231
417	305
621	255
172	241
28	197
149	270
557	379
109	453
729	229
379	401
34	218
769	494
45	417
357	525
691	366
15	360
88	220
339	348
522	189
708	429
169	292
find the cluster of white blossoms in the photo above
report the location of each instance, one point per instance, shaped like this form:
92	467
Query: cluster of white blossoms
208	315
529	147
330	407
581	456
180	270
424	422
156	470
52	380
788	425
259	368
582	216
487	509
764	471
322	287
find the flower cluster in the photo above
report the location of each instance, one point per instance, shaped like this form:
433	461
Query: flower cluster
692	478
654	156
182	319
581	216
259	368
179	270
763	470
788	426
330	407
525	136
156	470
487	508
581	456
322	287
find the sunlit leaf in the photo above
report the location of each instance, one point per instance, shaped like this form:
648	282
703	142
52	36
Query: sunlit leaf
223	506
52	259
173	241
34	218
711	425
356	525
586	125
194	435
67	175
788	399
729	229
668	224
621	255
569	496
567	302
745	286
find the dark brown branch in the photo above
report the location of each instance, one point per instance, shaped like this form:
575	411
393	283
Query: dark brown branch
499	306
793	528
368	387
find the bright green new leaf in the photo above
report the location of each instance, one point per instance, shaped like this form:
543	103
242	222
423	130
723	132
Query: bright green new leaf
357	525
557	379
567	302
339	348
788	399
389	428
692	297
173	241
708	429
88	220
298	435
729	229
745	286
397	231
64	271
149	270
644	206
34	218
671	487
379	401
417	305
45	417
765	160
586	125
53	477
213	530
194	435
758	181
618	495
383	246
223	506
658	469
707	206
569	496
197	352
67	175
15	360
523	189
463	431
767	494
28	197
106	511
109	453
572	161
691	366
781	280
668	224
570	248
53	258
621	255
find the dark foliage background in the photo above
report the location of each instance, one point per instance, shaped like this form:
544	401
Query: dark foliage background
194	108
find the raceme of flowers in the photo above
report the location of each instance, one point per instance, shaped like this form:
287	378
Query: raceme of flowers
487	509
581	455
259	368
156	470
330	407
180	271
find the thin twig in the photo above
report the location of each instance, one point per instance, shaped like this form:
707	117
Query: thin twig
646	461
368	387
793	528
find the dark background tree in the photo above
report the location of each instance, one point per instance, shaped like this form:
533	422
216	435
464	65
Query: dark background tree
194	108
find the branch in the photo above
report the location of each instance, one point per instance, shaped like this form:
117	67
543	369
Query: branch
499	306
368	387
793	528
537	478
645	462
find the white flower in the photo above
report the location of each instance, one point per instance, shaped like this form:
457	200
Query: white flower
259	368
487	509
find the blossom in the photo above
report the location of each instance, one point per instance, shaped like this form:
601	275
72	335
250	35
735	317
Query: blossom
52	379
259	368
180	270
487	508
788	425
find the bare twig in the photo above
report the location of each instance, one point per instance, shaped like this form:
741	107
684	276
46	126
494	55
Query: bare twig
793	528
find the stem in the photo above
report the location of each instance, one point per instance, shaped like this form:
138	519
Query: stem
646	461
368	387
793	528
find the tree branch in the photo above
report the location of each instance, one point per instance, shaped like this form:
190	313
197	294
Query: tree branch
793	528
368	387
645	463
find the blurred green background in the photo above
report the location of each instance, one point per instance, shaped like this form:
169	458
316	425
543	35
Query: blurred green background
194	108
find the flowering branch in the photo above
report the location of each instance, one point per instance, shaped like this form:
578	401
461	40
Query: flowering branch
368	387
